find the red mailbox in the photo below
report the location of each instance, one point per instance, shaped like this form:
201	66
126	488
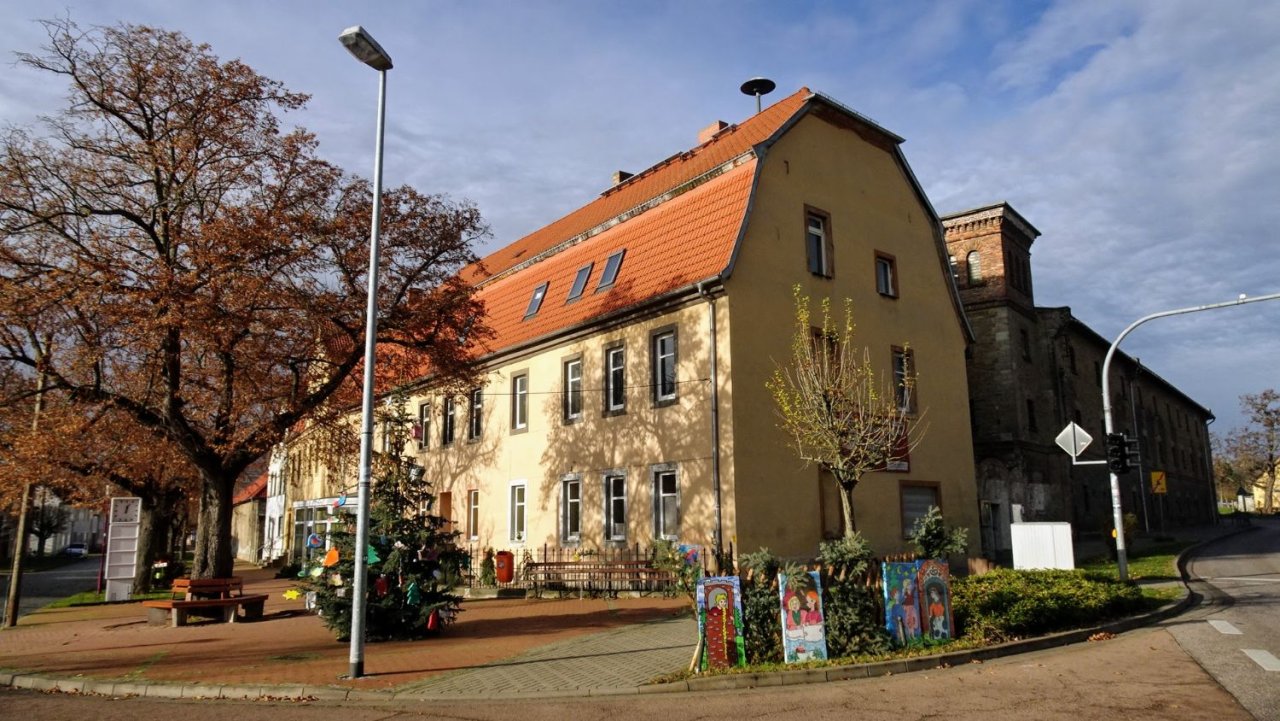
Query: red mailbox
504	564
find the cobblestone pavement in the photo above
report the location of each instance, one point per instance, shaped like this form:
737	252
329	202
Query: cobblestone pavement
621	658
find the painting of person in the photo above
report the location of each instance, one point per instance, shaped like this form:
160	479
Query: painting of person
812	617
937	615
897	618
720	622
933	581
793	616
911	610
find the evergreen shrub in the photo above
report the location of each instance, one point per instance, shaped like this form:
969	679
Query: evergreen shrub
1005	604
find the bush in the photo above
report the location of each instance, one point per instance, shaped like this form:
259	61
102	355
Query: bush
761	613
934	540
1005	604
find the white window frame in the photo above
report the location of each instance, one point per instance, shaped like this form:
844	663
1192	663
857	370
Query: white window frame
473	514
518	512
610	522
448	425
520	402
659	395
424	425
568	503
886	275
615	359
572	377
904	367
475	422
816	238
657	473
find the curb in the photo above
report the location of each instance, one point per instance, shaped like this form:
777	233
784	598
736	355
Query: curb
19	680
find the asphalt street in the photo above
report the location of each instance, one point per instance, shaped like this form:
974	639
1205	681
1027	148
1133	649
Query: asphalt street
41	588
1234	635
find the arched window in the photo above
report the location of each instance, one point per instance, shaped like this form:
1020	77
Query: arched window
952	260
974	261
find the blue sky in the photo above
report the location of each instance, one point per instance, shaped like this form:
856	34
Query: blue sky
1139	137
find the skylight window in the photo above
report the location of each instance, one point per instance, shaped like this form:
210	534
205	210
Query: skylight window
536	301
611	267
580	282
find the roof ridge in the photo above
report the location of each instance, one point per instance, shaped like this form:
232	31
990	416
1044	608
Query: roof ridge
638	190
651	203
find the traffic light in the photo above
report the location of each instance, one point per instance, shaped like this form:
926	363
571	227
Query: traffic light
1117	453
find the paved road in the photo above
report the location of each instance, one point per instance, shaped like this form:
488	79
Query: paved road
1087	682
1235	635
41	588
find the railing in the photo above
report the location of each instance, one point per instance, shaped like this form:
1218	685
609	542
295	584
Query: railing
527	559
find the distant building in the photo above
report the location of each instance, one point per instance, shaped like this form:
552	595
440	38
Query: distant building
248	511
1032	370
623	398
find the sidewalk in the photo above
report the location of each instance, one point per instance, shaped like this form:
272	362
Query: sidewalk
507	648
292	648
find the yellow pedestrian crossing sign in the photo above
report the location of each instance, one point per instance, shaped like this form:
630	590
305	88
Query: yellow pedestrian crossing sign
1158	483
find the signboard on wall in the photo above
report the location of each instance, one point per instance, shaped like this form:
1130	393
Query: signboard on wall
122	547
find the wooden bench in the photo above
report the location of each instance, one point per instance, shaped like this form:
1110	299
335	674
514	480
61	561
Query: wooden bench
597	576
218	597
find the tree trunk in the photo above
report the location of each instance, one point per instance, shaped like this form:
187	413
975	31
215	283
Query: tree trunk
846	505
213	530
153	528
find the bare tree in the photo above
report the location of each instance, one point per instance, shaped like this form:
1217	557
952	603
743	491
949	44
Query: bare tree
840	413
48	520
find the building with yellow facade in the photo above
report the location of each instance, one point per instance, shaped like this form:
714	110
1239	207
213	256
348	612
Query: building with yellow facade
622	398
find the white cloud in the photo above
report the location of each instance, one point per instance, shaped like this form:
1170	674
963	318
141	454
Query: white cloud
1138	136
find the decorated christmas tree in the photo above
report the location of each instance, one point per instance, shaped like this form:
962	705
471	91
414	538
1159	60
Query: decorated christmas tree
413	561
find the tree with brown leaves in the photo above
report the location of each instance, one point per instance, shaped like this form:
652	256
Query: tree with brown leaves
840	413
199	270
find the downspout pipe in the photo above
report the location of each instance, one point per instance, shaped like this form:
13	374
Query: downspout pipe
715	422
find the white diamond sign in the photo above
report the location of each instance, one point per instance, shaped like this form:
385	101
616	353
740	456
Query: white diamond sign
1073	439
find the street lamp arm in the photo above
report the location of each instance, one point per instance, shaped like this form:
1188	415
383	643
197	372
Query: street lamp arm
1117	512
1106	363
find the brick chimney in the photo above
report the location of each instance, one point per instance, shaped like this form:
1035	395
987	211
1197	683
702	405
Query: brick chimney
620	175
710	131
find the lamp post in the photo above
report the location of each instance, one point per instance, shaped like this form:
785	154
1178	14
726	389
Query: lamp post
1122	558
368	51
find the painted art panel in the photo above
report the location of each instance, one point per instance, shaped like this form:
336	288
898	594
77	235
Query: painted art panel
804	634
902	602
720	622
934	581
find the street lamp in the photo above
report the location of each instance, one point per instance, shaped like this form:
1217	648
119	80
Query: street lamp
368	51
1122	558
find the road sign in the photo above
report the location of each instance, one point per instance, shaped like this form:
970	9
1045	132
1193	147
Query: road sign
1073	439
1158	482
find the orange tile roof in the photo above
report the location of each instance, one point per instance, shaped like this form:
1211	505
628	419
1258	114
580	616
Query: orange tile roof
644	186
256	489
684	240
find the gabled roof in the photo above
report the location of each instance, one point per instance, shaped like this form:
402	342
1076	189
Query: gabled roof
643	187
678	223
664	249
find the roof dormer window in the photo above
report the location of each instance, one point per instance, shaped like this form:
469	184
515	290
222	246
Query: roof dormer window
536	301
580	282
611	268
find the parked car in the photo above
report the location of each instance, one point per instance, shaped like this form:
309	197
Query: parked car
76	549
